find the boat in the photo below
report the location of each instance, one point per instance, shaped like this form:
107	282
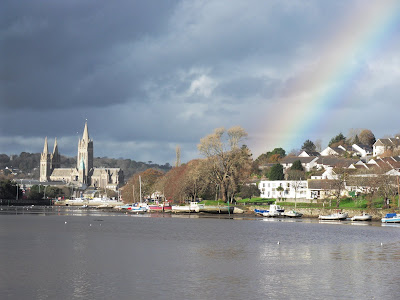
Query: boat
192	207
160	207
214	209
363	217
274	211
391	218
260	211
334	216
138	209
293	214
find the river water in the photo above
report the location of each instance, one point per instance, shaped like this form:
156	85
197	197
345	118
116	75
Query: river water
58	253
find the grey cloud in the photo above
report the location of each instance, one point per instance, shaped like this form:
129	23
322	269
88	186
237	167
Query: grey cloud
153	73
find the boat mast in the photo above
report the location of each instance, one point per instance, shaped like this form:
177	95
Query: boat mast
140	188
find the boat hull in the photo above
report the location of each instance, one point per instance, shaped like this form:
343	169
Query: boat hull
362	218
217	209
391	218
293	214
340	216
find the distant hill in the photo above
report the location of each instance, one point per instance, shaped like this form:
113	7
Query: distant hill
26	165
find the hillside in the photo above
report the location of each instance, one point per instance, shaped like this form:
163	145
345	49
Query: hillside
26	165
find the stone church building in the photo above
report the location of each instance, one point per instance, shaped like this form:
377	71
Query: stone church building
84	174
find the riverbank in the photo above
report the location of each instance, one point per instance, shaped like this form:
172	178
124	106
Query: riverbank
377	214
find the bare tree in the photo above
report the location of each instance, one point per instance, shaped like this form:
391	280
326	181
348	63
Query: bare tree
387	185
318	145
296	176
225	158
366	137
338	185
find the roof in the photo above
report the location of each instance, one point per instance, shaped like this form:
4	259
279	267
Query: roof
111	171
292	159
63	172
338	150
388	142
334	161
311	153
320	184
367	148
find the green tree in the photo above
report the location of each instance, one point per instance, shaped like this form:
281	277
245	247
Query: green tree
34	193
356	140
8	190
337	140
308	146
280	189
276	172
249	190
297	166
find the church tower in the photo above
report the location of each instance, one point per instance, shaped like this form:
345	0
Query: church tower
84	160
55	157
45	163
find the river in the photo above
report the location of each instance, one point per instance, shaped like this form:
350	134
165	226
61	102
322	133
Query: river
53	253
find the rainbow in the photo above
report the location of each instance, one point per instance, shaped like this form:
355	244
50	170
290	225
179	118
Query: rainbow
304	108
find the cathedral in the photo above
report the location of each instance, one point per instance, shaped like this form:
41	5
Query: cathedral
84	174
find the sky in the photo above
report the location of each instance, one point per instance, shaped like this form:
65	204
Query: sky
150	75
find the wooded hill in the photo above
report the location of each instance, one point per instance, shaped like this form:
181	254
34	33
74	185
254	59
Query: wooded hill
26	165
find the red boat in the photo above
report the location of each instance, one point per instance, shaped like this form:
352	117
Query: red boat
160	207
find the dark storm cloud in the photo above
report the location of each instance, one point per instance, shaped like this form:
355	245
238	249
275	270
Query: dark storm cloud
148	75
57	54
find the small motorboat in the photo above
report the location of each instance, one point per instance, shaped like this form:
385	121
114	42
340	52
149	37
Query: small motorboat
293	214
274	211
334	216
260	211
391	218
363	217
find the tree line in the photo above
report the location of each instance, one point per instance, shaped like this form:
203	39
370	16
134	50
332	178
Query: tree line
28	165
222	172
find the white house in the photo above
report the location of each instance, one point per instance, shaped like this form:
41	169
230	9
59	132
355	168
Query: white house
308	154
307	162
336	151
291	189
362	150
383	145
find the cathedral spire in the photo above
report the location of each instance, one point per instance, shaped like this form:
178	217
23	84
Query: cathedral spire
85	136
45	148
55	150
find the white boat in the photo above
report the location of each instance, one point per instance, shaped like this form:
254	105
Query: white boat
138	209
334	216
363	217
391	218
293	214
192	207
274	211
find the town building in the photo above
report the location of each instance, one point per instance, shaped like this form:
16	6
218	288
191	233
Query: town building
84	174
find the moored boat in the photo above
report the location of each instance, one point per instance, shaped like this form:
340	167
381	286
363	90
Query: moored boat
363	217
391	218
334	216
160	207
213	209
192	207
293	214
260	211
274	211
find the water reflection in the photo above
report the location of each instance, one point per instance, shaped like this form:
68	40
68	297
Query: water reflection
122	256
